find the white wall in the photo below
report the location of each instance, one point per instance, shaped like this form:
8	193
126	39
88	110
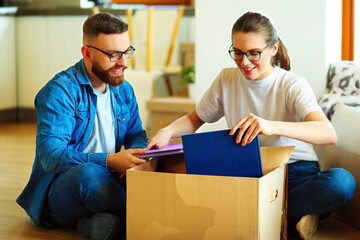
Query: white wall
46	45
7	63
333	32
309	29
49	44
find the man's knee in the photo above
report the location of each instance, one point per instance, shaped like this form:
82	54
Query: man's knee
342	182
91	170
93	177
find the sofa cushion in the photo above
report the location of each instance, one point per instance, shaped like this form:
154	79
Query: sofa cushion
343	84
344	75
346	123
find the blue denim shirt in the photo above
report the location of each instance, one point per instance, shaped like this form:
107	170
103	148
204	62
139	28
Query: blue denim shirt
65	109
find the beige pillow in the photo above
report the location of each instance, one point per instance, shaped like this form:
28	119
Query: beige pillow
346	121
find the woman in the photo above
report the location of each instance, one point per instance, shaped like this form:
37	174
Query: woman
263	97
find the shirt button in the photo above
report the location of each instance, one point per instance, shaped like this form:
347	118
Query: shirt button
83	143
117	94
93	99
124	119
91	122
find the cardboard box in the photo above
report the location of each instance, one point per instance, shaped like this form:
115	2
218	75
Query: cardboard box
336	157
164	111
165	203
188	53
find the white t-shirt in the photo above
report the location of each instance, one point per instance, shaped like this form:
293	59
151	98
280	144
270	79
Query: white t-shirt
102	137
282	96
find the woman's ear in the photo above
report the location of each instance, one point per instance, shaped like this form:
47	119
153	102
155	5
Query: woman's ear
86	53
274	49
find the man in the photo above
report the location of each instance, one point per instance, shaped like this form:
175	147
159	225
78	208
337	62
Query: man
85	115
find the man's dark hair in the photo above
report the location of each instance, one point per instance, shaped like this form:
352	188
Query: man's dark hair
103	23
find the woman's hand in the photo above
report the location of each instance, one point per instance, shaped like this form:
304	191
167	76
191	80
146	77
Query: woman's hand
161	139
186	124
252	125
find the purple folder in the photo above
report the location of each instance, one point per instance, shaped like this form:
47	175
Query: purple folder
170	149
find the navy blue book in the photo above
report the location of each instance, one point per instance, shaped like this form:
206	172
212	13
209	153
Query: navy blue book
217	153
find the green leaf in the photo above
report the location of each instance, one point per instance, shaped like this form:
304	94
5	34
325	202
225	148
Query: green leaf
187	74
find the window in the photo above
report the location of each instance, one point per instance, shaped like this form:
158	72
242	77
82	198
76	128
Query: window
347	51
155	2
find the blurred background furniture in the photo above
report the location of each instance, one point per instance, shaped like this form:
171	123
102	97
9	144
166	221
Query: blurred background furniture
164	111
341	104
154	70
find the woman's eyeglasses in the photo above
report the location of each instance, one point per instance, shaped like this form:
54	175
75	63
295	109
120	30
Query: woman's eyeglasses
253	56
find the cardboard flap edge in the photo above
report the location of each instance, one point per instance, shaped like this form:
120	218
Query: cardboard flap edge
273	157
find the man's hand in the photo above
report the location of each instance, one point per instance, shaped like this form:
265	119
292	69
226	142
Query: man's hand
123	160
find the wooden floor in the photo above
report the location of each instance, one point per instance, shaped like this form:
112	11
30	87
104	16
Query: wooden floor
17	149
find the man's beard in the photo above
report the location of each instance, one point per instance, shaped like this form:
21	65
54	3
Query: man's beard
106	76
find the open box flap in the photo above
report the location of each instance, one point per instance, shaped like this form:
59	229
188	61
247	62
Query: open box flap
149	166
273	157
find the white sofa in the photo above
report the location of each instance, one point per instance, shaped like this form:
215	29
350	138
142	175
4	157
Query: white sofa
341	104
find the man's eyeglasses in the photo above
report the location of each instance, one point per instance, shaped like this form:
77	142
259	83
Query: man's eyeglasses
253	56
116	56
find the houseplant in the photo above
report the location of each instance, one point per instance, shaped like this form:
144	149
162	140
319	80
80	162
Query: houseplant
187	75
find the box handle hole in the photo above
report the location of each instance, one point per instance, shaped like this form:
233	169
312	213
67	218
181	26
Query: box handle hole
274	195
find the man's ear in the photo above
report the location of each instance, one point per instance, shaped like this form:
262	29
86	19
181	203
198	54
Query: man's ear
86	53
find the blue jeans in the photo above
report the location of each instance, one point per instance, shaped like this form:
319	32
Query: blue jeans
85	189
313	192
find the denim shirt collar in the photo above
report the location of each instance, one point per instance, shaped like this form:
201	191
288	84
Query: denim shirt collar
83	77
